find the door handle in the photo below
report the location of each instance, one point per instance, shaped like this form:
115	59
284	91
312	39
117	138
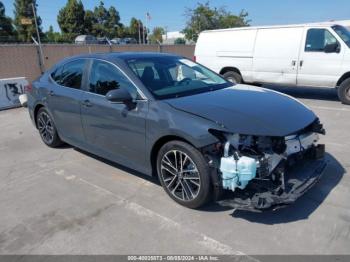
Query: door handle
301	63
86	103
294	62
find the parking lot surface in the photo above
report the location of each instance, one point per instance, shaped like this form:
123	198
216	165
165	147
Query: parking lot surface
65	201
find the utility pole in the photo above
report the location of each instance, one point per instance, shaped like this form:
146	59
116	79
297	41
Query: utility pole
38	36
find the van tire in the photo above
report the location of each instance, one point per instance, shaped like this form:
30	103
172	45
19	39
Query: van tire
344	92
233	77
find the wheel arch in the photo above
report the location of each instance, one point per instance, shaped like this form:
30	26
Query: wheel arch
157	146
230	68
343	78
36	110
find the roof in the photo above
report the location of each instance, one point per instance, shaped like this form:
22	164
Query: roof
319	24
123	55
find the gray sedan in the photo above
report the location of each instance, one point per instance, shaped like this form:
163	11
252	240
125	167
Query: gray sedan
160	114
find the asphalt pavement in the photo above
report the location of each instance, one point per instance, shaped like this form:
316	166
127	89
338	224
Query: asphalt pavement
66	201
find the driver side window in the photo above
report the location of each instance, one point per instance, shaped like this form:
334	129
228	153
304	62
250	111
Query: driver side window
318	39
105	77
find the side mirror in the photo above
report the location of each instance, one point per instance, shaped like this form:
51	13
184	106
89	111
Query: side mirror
120	95
332	48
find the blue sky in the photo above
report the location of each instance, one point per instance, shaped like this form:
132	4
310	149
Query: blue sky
170	13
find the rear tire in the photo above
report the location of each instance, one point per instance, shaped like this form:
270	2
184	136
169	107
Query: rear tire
233	77
47	128
344	92
184	174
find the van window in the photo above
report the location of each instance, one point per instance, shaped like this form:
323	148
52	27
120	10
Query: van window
343	32
105	77
317	39
70	74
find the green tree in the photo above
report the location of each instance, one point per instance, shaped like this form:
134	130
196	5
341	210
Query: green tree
6	28
203	17
54	37
180	41
134	27
122	31
228	20
89	21
113	23
101	14
157	35
71	19
24	10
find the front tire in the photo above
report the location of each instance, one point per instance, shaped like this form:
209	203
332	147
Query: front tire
47	128
184	174
344	92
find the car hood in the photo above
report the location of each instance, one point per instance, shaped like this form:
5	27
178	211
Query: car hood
248	110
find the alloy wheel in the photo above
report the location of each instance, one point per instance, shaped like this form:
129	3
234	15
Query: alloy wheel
180	175
46	128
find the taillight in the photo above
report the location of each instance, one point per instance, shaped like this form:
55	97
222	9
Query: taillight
28	88
194	58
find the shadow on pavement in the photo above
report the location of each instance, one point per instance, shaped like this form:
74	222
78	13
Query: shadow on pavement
299	210
304	206
152	179
307	92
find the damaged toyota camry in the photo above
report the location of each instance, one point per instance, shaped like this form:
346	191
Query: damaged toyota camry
165	115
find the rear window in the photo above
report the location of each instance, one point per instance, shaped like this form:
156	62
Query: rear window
70	74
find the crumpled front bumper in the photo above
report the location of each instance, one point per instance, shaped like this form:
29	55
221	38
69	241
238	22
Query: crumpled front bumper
297	182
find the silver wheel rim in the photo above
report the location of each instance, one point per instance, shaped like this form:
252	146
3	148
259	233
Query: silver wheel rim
180	175
45	127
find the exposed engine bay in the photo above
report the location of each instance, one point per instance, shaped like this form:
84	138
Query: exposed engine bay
268	172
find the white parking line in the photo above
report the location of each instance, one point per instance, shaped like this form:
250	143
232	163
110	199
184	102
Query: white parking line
330	108
204	240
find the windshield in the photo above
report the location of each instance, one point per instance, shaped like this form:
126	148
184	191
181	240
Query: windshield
343	33
170	77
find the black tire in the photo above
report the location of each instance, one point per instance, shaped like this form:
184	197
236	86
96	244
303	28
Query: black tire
47	128
190	195
233	77
344	92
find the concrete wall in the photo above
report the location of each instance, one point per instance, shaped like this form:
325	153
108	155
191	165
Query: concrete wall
23	60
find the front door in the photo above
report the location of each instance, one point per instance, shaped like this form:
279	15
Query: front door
317	67
112	129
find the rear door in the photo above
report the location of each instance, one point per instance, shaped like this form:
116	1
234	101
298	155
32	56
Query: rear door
316	67
64	100
276	55
111	129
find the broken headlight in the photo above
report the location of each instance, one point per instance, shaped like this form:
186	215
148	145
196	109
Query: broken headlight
248	157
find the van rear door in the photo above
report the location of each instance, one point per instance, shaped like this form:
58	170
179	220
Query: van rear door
317	66
276	55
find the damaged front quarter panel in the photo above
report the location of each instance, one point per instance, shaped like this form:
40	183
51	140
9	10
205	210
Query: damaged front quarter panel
267	172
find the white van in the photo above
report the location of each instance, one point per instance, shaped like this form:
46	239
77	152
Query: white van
316	55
